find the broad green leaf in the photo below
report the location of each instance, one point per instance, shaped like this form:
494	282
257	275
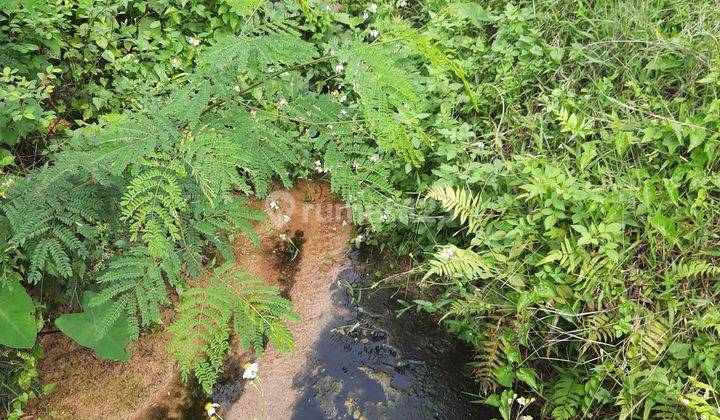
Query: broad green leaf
17	317
528	376
505	376
85	329
664	225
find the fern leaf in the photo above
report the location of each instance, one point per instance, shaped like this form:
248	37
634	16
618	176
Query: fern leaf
461	203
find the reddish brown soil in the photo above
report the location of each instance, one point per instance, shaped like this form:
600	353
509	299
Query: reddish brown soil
87	387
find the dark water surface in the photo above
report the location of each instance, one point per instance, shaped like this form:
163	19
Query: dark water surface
374	365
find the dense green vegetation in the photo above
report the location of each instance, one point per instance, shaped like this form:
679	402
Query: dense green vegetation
551	166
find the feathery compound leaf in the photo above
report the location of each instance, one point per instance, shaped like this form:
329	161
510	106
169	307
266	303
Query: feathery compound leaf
136	285
152	204
383	88
233	301
53	226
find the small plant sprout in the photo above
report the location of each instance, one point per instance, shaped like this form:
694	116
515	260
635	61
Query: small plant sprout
251	371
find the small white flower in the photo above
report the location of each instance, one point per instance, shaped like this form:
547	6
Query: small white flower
253	113
251	371
137	60
193	41
447	253
175	62
402	3
373	7
344	223
211	408
374	33
343	112
283	237
318	163
480	145
339	68
366	15
354	165
274	205
236	88
383	217
374	158
282	102
342	98
286	218
359	238
271	69
329	126
522	401
285	74
685	401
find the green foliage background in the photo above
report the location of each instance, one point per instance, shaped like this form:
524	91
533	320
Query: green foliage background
551	165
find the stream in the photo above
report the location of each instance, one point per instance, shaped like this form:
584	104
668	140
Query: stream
371	364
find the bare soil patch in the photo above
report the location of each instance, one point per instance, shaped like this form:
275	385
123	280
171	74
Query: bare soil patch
302	251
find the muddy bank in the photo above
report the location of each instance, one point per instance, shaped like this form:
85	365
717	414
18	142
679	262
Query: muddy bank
307	218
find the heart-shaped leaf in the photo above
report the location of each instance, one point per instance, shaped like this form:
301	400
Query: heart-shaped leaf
17	317
85	329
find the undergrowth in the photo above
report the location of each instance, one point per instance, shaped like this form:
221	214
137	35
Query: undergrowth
552	165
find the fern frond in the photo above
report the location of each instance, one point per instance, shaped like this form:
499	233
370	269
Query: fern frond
462	204
458	263
693	269
489	354
567	398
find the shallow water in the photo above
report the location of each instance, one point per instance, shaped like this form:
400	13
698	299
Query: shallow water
373	364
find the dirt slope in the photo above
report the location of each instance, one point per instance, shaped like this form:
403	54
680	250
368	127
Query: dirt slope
87	387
